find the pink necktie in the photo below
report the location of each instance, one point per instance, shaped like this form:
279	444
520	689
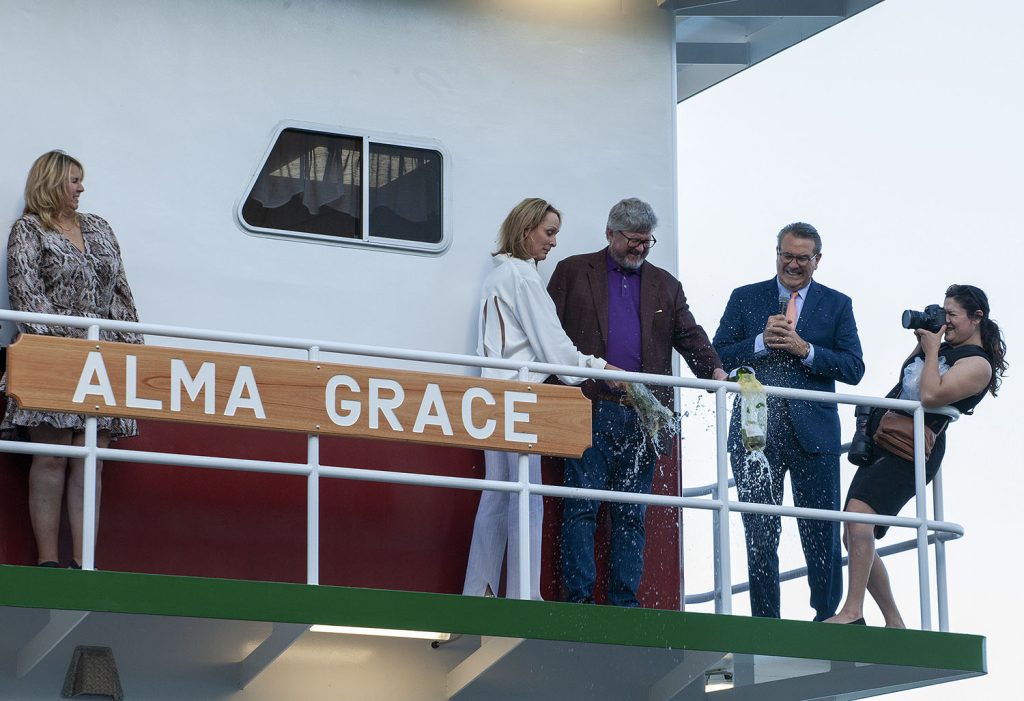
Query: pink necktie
791	308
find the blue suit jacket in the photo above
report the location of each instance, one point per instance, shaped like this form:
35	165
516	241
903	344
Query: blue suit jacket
827	322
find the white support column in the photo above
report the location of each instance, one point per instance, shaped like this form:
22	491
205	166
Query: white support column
281	637
680	512
35	651
723	570
922	515
523	506
313	498
89	483
941	587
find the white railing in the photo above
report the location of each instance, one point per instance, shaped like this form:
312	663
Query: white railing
313	470
938	539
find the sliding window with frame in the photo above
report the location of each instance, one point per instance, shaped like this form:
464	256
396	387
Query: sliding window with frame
349	188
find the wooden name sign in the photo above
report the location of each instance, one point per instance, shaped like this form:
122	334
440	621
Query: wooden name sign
120	379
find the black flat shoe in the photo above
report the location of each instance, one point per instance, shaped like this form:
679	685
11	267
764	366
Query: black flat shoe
48	563
858	622
75	566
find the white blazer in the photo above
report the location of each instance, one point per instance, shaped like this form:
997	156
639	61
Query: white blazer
518	321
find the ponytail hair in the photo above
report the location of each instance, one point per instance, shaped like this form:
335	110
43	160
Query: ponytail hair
974	300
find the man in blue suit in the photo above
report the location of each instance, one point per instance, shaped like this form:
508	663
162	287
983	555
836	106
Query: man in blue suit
793	332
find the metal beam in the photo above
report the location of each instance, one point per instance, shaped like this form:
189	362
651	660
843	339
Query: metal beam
681	6
758	8
851	682
690	673
490	652
742	670
282	636
712	53
35	651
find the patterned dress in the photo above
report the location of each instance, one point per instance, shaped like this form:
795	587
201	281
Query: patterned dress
46	273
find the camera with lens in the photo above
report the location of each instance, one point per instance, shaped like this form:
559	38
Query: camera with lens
931	319
863	445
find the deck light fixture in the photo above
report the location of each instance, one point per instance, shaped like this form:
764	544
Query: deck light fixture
383	632
717	680
92	672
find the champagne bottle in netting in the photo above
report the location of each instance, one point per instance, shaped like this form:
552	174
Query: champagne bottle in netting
753	410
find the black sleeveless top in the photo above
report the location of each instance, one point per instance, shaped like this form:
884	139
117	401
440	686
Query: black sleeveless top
949	355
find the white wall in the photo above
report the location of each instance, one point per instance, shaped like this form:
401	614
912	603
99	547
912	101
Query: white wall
170	107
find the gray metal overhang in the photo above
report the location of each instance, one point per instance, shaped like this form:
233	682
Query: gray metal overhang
716	39
187	637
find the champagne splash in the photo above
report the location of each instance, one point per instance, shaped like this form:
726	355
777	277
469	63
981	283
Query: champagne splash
759	478
655	418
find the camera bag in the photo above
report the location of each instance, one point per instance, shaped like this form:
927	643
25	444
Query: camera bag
874	419
895	433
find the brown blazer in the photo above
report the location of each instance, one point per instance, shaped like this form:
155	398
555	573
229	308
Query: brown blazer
579	287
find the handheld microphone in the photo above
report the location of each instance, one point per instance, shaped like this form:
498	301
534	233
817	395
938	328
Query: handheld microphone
783	306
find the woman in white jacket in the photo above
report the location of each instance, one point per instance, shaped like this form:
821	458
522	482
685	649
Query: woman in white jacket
518	322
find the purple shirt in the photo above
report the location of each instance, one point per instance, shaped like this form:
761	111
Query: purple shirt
623	317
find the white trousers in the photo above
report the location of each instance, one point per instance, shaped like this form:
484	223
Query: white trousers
497	525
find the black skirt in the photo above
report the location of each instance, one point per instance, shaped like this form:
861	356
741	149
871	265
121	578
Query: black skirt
886	484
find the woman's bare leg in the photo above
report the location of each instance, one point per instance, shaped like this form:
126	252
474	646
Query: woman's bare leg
46	491
881	592
860	543
76	492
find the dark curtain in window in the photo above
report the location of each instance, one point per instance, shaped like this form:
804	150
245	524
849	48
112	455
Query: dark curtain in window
405	193
310	184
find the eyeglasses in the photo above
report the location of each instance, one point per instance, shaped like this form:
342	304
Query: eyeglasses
633	242
789	257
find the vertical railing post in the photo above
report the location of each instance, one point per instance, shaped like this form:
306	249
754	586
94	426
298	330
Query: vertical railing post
89	482
313	497
723	571
941	586
680	531
523	506
922	516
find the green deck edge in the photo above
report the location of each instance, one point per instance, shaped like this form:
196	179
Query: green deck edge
122	592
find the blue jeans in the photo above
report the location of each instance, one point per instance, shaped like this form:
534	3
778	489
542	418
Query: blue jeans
620	459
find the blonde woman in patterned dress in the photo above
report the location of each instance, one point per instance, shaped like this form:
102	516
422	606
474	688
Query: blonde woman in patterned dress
63	262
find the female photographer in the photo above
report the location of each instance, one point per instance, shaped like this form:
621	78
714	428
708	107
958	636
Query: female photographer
957	372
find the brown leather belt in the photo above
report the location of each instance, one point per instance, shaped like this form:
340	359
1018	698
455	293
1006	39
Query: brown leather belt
618	398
